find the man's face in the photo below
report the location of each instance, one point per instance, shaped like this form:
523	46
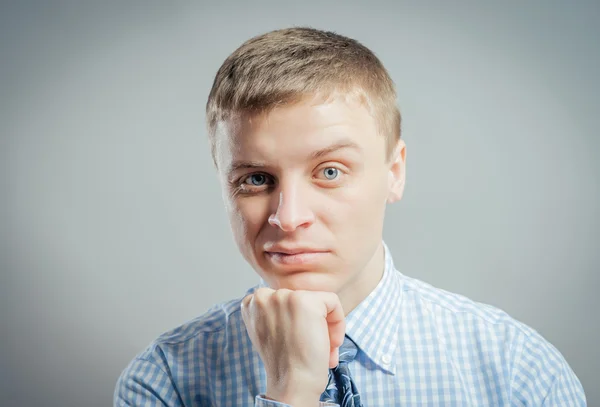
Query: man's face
305	187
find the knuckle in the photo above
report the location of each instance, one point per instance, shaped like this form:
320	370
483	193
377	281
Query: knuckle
262	295
333	297
259	292
296	300
281	295
245	305
247	300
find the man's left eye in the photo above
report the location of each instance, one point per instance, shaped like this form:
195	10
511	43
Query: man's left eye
331	173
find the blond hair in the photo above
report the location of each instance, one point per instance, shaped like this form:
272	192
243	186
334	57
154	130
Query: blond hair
285	66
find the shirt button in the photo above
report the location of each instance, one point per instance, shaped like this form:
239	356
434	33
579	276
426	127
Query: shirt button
386	359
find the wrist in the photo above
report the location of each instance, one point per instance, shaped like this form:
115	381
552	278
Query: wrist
295	398
294	402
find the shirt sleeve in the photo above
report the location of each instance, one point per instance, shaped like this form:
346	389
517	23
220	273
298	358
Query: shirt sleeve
144	384
541	376
262	401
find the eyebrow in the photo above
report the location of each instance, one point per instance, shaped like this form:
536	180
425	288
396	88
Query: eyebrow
345	143
340	145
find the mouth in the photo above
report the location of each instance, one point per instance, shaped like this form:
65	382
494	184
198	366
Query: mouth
296	258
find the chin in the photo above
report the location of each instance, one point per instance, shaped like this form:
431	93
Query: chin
301	280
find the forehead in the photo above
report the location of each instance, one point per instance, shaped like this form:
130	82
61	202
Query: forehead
293	133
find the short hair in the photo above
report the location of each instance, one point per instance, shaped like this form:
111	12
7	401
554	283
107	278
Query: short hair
285	66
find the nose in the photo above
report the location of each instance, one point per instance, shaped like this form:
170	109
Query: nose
292	210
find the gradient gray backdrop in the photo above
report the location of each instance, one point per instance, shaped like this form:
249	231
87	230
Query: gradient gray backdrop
112	228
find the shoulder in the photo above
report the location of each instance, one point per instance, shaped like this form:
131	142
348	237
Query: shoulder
158	371
203	335
535	369
216	319
436	301
465	326
169	359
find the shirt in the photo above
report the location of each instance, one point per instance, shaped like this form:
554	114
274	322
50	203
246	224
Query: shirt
417	346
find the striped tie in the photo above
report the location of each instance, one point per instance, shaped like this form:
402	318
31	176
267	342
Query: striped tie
341	388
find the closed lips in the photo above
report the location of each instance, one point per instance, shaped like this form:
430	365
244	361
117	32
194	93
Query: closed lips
295	250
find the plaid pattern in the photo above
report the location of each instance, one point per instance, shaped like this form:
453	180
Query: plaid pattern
417	346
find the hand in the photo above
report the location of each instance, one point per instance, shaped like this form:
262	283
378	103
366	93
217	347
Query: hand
298	335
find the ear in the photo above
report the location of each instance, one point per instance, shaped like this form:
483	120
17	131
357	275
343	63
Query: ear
397	173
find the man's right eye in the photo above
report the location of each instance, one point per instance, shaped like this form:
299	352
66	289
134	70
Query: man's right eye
256	180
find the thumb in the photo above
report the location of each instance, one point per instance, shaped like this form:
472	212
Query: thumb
334	357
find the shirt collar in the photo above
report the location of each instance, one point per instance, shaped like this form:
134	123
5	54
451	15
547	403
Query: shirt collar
373	324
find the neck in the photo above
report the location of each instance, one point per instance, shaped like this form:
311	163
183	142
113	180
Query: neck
364	283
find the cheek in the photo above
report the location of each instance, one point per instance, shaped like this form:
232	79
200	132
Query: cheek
247	216
368	192
357	209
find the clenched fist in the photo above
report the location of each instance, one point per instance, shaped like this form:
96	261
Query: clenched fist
298	335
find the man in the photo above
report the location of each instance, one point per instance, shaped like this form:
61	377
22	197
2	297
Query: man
305	135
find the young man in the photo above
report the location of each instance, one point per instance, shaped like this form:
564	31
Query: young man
305	135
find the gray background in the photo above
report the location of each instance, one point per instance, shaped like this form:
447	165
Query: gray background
112	228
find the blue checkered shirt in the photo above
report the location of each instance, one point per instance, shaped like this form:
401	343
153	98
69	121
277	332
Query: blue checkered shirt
418	346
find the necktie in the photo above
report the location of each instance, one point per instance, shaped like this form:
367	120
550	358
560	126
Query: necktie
341	388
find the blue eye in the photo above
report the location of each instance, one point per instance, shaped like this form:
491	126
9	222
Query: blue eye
257	179
331	173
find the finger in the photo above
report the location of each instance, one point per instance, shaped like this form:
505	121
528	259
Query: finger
246	301
334	357
244	306
334	313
